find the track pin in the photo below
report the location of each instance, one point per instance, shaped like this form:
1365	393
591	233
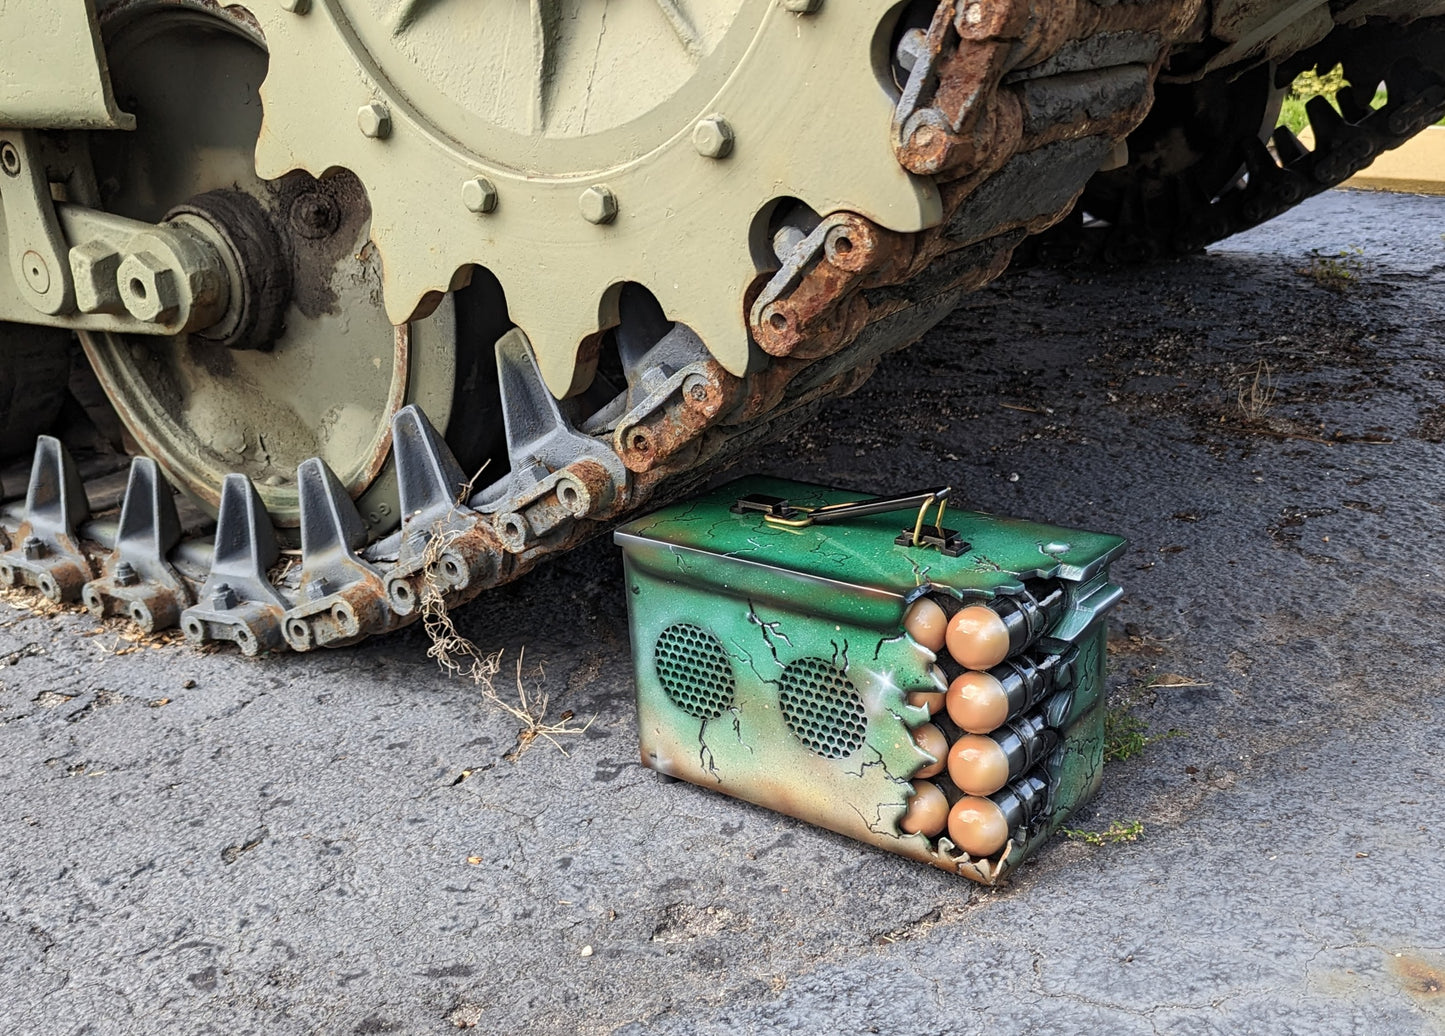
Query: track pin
48	556
136	579
238	602
445	545
345	598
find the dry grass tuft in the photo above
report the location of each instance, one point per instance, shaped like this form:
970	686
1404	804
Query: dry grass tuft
459	656
1256	390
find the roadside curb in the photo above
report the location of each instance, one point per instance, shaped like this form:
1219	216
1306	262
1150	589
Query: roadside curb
1416	167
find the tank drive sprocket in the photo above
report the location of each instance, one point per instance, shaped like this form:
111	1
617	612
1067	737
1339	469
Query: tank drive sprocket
570	147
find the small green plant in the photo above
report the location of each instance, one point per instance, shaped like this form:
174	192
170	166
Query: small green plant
1337	273
1117	831
1306	85
1125	737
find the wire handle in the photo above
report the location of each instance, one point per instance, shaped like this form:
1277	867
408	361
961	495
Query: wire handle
781	512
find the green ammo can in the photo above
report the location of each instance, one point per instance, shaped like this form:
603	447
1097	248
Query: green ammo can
937	692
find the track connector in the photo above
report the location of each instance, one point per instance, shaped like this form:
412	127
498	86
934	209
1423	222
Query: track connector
136	579
237	601
46	551
444	543
343	597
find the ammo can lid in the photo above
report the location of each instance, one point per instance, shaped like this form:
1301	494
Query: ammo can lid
861	553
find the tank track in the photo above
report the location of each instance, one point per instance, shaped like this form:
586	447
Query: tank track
1010	109
1408	59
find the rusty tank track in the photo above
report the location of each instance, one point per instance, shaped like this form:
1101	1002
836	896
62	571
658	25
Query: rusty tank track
1162	216
1009	107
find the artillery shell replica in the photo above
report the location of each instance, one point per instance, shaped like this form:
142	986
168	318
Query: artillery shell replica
790	642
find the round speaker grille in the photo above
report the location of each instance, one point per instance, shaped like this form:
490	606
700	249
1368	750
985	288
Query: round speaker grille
694	670
822	707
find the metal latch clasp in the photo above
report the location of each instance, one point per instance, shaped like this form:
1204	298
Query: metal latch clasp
778	511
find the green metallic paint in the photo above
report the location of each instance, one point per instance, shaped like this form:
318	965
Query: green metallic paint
773	596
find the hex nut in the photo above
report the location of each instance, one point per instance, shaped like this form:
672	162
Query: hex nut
598	204
802	6
93	265
374	120
479	195
148	287
713	137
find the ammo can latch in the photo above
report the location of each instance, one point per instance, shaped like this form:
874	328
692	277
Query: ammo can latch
778	511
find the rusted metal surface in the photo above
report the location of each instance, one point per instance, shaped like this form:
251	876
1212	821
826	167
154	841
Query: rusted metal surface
345	617
808	316
956	117
666	431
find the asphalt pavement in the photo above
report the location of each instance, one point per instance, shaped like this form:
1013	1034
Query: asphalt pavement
354	842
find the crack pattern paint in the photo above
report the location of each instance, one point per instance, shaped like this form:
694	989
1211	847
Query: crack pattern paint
777	597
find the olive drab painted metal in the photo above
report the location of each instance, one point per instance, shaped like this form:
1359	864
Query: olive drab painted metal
501	273
772	662
640	153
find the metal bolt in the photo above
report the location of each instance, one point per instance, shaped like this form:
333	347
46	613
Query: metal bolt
802	6
695	386
479	194
125	574
33	548
317	589
314	215
296	6
598	204
9	158
148	287
93	264
374	120
223	598
713	137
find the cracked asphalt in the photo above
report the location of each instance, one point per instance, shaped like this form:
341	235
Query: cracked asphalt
348	842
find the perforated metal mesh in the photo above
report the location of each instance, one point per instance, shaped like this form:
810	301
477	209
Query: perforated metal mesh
823	708
694	670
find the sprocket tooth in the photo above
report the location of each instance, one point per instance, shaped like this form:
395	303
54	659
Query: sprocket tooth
47	553
1351	107
1288	145
237	601
445	545
136	579
345	598
1327	123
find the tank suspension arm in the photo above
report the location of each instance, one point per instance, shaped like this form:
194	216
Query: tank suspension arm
78	267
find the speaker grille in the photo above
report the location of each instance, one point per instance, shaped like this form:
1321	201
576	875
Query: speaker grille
822	707
694	670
